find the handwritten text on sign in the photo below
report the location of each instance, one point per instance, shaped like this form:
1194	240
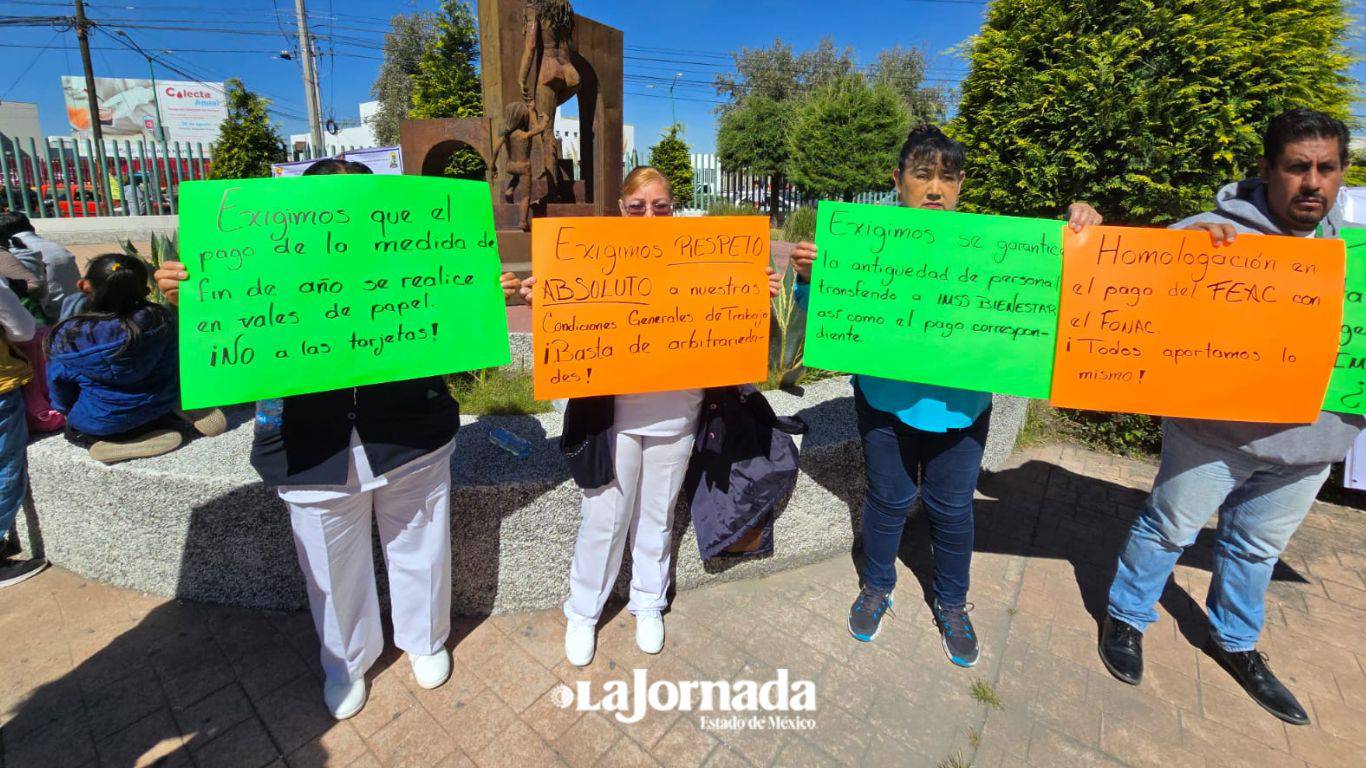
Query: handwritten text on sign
1162	322
1347	388
953	299
316	283
625	306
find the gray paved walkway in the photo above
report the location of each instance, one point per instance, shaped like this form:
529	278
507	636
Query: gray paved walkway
91	675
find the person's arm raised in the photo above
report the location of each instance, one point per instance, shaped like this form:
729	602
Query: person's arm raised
169	276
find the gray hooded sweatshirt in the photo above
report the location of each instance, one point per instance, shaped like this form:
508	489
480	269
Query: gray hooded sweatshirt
1243	204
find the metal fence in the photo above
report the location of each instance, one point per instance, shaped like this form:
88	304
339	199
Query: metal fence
65	178
714	186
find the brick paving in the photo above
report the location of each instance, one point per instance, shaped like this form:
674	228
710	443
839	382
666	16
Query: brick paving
95	676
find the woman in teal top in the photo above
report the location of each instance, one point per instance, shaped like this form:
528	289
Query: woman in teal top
922	439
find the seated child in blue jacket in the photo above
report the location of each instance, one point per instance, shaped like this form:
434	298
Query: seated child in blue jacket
113	368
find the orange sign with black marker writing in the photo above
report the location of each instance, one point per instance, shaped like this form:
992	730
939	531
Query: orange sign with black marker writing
1162	322
625	305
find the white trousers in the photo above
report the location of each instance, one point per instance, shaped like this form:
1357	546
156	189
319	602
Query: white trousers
640	502
332	527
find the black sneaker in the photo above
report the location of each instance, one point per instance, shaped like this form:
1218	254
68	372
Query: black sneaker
11	547
1249	668
865	616
1121	650
14	571
957	634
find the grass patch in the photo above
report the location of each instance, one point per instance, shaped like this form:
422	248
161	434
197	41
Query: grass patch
1043	425
974	738
496	392
982	691
809	376
956	760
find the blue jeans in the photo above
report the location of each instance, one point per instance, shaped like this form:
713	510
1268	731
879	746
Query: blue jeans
946	465
13	458
1260	506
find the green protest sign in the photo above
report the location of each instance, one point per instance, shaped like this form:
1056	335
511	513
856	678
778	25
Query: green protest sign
315	283
953	299
1347	387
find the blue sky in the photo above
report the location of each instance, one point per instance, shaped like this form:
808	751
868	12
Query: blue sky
213	40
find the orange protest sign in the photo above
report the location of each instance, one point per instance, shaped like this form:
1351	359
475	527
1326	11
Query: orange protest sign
625	305
1161	322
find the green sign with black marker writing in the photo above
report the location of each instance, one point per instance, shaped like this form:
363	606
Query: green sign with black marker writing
1347	387
951	299
316	283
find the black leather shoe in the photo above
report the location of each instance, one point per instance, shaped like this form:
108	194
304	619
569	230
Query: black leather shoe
1121	649
1249	668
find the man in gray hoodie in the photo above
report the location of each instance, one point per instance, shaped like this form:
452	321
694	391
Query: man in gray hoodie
1260	478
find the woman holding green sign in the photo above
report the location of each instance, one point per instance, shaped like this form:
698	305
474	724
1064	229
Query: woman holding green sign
921	439
345	457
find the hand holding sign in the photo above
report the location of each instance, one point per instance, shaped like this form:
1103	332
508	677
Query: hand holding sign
625	306
1164	322
316	283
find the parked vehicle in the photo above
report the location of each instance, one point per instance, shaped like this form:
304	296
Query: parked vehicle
71	200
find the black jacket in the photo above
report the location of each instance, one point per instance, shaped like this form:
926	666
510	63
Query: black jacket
744	464
398	422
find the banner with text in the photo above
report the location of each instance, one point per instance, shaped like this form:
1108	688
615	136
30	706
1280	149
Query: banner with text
1347	387
325	282
953	299
1162	322
625	306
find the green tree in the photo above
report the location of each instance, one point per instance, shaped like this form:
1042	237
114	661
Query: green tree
903	70
409	36
845	137
779	74
447	80
754	135
1144	109
1356	174
247	141
671	156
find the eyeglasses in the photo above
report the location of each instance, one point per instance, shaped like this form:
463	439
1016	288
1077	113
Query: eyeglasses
660	207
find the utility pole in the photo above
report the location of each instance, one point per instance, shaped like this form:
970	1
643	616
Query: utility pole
93	102
672	106
315	126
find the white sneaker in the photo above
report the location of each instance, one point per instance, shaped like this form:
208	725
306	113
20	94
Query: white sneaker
431	671
650	631
345	699
580	641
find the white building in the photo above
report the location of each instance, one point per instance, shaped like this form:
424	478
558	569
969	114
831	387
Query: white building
19	122
355	137
567	131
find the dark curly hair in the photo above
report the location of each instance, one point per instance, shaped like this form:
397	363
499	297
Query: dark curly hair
927	144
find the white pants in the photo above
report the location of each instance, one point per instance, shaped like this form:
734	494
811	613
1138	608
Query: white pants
649	474
331	526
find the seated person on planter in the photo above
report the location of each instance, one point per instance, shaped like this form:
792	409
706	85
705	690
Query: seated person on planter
113	368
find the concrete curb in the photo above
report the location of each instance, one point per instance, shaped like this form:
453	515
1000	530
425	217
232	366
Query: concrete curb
198	524
103	230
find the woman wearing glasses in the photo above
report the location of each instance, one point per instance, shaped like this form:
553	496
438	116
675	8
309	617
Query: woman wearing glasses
650	439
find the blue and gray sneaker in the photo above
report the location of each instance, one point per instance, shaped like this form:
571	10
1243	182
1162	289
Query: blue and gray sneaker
957	634
865	616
